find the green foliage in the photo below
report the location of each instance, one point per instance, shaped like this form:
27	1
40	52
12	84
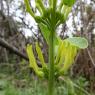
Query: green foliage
64	86
69	2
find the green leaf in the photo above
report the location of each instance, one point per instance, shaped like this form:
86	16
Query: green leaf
45	31
40	3
79	42
70	86
50	3
69	2
28	8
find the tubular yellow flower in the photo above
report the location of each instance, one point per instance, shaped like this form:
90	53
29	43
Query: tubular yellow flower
32	61
58	53
69	58
40	55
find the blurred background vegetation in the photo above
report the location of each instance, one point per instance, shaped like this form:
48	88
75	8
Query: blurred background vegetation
17	28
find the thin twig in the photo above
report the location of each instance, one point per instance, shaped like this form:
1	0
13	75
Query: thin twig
90	56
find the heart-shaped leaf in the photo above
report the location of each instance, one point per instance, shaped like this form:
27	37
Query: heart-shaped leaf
80	42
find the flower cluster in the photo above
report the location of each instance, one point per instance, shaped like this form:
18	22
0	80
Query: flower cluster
53	15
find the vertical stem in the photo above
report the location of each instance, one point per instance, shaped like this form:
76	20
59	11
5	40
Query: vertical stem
51	64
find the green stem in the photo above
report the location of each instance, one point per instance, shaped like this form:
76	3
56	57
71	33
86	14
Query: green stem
51	64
